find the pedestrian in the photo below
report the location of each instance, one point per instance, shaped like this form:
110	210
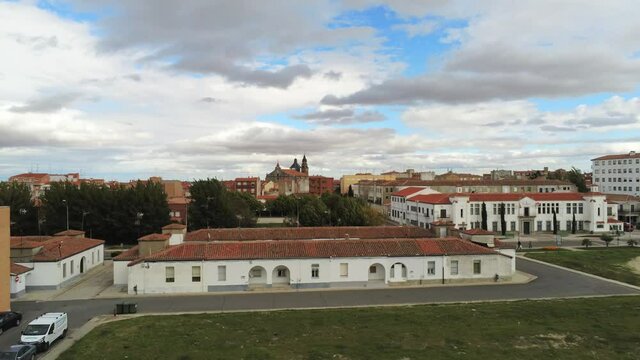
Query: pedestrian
519	245
530	246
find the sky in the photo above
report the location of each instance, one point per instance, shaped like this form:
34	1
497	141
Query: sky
218	89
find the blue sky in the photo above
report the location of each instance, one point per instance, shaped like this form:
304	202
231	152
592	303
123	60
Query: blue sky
227	88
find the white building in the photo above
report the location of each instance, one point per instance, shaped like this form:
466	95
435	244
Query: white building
298	264
18	279
524	213
617	174
56	260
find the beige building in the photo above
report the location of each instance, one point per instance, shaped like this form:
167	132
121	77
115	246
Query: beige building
347	180
5	268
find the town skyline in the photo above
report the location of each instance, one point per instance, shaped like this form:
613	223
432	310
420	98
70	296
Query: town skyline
358	86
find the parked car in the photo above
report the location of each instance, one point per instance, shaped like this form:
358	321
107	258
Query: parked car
9	319
44	330
19	352
628	227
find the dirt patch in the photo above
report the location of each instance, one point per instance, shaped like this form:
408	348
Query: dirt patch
548	341
634	264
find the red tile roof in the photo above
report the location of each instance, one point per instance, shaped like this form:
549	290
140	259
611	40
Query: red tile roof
432	199
613	221
307	233
477	232
629	155
174	226
293	172
61	247
407	191
17	269
128	255
316	249
248	179
70	232
155	237
27	242
495	197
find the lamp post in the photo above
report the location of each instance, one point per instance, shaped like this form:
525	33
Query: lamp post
84	213
209	198
66	204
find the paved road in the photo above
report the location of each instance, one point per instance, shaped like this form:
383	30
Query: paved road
551	283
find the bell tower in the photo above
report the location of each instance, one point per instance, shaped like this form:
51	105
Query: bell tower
305	166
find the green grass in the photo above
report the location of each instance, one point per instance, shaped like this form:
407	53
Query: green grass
606	262
596	328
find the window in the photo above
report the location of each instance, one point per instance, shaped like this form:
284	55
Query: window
454	267
580	208
568	225
344	270
195	274
315	271
64	270
539	226
373	269
548	225
494	226
71	268
169	274
222	273
477	269
513	226
431	267
93	257
461	212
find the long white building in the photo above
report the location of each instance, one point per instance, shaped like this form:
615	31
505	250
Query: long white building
524	213
211	263
617	174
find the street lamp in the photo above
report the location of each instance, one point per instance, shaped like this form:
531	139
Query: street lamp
84	213
66	204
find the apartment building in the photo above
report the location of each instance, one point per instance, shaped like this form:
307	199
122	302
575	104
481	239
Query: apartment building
617	174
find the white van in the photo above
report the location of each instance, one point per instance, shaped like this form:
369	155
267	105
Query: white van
44	330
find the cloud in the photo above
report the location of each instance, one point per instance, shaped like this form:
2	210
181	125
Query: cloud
418	29
224	37
333	75
45	104
341	116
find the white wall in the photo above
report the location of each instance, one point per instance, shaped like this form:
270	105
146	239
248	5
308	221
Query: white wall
150	278
20	285
120	272
50	274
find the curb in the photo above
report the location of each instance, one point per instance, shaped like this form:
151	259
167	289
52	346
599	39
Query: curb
581	272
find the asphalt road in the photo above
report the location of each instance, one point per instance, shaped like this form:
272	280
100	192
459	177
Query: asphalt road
551	283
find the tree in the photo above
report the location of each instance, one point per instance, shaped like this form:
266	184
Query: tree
350	192
211	206
484	216
23	213
555	223
606	238
577	178
503	222
586	242
573	224
632	242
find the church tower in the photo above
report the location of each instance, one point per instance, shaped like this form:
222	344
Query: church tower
305	167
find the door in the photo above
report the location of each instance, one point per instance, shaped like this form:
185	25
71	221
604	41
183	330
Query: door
82	265
525	228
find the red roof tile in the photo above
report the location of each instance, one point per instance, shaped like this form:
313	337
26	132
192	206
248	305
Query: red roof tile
316	249
155	237
174	226
61	247
613	221
407	191
477	232
293	172
27	242
307	233
70	232
618	156
17	269
128	255
432	199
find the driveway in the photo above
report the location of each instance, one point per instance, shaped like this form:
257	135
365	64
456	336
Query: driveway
551	283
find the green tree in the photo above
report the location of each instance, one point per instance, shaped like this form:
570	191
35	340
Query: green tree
23	213
350	192
555	223
503	222
577	178
606	238
484	216
213	206
586	242
573	224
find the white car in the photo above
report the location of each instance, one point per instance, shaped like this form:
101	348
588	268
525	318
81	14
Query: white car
44	330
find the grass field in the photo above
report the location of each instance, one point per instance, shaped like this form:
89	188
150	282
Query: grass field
605	262
596	328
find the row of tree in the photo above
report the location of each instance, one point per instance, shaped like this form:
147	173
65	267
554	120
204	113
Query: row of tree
120	214
326	210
